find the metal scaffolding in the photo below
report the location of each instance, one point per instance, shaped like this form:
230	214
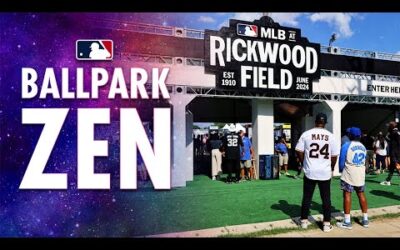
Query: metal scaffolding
186	61
314	97
213	92
199	34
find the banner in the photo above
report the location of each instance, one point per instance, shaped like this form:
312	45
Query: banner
261	56
331	85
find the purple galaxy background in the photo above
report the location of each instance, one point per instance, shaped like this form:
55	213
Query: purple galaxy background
48	40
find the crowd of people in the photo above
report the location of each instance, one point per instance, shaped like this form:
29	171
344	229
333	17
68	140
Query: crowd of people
234	150
317	153
377	159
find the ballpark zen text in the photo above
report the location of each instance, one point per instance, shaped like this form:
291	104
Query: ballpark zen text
133	136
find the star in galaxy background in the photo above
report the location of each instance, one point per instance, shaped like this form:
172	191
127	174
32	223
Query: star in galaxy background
48	40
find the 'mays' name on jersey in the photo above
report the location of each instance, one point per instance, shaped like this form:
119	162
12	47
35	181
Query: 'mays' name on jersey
318	145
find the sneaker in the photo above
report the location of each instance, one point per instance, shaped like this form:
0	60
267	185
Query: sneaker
344	225
287	173
304	224
327	228
297	177
214	178
365	223
385	183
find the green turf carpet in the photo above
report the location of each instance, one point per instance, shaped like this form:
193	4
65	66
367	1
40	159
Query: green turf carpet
206	204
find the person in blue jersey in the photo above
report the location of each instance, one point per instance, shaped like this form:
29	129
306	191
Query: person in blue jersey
246	155
352	166
282	151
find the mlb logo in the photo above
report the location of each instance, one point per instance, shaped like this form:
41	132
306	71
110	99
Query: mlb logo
247	30
94	50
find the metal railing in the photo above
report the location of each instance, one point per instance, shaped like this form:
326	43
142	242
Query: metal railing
359	75
186	61
360	53
147	28
199	34
311	97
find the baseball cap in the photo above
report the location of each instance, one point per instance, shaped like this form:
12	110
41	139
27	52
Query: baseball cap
321	117
232	128
355	132
392	124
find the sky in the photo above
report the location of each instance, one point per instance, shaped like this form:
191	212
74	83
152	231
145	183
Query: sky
365	31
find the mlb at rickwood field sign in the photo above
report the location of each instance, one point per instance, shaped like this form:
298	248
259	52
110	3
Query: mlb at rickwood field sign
261	56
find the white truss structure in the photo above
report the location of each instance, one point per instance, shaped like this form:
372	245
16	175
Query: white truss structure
314	97
199	34
200	62
213	92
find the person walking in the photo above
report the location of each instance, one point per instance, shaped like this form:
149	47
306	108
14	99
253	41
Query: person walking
394	152
318	150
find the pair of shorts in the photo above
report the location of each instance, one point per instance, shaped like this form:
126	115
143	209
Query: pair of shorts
350	188
245	164
283	159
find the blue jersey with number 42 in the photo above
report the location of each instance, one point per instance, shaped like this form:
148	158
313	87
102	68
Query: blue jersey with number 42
352	154
352	163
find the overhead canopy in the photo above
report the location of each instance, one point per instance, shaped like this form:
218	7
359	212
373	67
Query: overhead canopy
198	132
226	110
239	127
226	127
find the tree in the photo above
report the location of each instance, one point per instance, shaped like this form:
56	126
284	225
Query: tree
219	124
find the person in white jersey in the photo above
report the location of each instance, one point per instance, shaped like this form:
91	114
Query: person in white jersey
352	166
318	150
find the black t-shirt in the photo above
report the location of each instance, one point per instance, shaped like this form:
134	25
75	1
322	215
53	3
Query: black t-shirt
368	142
232	143
215	144
394	145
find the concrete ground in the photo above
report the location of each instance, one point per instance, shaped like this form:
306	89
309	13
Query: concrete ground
378	228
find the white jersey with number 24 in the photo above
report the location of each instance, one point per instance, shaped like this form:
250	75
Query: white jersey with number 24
318	145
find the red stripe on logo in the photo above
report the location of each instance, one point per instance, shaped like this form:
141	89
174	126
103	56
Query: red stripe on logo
108	46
